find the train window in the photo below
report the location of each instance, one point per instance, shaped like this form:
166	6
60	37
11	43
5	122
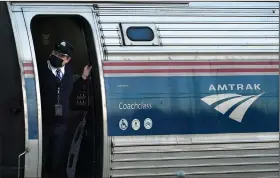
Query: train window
139	34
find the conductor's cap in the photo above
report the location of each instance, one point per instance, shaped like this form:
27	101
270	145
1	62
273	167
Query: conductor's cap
64	47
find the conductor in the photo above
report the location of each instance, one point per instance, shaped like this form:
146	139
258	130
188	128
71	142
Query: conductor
56	85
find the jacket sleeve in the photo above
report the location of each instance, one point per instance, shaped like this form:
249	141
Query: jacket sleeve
78	84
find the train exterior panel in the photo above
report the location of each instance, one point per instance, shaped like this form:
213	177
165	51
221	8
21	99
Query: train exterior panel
186	88
192	97
203	100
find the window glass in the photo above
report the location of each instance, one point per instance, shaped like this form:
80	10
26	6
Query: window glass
140	34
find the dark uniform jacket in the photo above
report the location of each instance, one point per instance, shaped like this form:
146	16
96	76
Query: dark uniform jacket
48	87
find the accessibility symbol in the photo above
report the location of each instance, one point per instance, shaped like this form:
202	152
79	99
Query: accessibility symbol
148	123
123	124
135	124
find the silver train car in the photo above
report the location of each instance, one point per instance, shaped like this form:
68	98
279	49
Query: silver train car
186	89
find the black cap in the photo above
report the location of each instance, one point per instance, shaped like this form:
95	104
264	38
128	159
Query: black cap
64	47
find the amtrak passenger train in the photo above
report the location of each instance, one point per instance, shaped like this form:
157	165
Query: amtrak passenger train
187	89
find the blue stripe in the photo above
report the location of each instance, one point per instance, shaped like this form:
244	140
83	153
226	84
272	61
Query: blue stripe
32	108
174	104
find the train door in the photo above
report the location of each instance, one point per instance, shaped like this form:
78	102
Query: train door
45	28
12	123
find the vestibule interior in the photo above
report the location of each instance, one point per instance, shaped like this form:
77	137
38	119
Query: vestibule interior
46	31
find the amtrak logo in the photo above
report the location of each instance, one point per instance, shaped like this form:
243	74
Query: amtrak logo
230	100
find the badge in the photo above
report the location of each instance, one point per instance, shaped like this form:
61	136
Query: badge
58	110
63	43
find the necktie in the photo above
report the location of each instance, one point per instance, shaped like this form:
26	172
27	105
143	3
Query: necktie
58	74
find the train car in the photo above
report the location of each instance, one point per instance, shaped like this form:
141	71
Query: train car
177	89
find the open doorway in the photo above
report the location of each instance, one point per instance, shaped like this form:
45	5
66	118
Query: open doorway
46	31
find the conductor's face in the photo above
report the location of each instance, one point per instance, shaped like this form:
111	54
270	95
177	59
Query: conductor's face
64	57
59	59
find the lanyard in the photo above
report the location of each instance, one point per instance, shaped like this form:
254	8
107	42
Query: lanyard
58	89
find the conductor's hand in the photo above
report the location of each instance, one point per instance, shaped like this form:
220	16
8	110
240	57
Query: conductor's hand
86	72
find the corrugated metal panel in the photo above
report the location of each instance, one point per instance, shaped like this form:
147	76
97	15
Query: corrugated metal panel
198	27
195	31
232	155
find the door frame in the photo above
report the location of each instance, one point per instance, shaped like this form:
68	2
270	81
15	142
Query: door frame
23	14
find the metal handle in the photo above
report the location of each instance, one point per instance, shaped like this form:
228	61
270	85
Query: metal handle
19	156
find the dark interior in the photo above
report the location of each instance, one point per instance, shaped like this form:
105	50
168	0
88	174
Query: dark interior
12	132
48	30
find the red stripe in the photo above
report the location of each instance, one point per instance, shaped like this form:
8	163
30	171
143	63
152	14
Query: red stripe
187	63
27	64
188	71
28	72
